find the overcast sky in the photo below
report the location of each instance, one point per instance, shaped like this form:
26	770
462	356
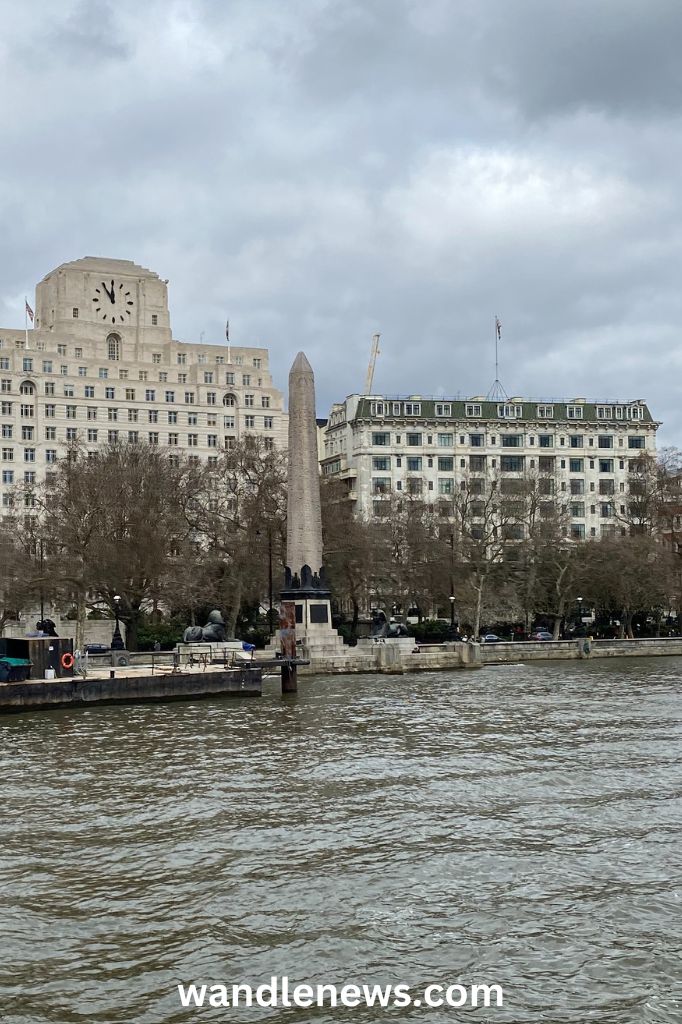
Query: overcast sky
318	170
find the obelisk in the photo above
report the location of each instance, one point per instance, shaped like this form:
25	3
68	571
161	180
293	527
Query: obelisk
304	518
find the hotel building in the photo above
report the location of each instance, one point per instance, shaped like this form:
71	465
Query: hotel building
583	454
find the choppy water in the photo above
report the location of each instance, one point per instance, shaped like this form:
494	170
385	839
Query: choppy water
519	825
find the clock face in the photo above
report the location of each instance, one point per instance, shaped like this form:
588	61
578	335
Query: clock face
113	302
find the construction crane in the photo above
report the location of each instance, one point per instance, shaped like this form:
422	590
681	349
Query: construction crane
372	363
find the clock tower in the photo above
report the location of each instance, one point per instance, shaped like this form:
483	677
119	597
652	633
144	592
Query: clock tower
91	297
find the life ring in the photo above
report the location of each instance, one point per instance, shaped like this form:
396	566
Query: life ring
67	660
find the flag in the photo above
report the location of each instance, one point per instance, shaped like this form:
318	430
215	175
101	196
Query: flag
227	330
498	328
29	310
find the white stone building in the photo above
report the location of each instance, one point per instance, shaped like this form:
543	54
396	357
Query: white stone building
581	452
100	364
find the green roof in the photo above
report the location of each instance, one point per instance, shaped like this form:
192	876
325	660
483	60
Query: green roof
489	410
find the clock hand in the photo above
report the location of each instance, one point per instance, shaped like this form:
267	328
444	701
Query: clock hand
112	293
107	291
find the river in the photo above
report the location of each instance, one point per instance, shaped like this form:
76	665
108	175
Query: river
517	825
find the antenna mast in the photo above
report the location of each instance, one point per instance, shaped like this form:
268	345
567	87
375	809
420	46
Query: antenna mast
497	392
372	363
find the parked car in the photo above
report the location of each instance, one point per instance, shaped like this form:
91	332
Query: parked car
491	638
541	634
97	648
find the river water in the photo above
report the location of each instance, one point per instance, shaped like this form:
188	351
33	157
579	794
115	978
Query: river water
518	826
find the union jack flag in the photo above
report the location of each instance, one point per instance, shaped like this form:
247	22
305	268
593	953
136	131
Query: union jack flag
498	328
29	310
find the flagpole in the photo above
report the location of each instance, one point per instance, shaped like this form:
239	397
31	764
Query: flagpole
227	338
497	336
26	321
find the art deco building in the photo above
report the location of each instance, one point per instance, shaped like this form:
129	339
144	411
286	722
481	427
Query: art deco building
100	365
585	457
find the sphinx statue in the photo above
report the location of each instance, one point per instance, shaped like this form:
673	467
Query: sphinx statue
214	632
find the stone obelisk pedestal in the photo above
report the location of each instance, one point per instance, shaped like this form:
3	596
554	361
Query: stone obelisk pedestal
305	582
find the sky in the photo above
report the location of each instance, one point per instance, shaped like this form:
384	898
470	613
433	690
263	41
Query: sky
320	170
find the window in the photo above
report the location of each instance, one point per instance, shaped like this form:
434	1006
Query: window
577	531
172	439
6	408
169	396
8	476
381	439
576	465
130	394
545	441
142	375
268	423
208	376
257	363
376	408
92	434
229	400
172	416
510	440
472	410
27	433
636	412
415	485
546	463
27	364
606	509
604	412
192	440
211	419
511	463
445	440
443	409
413	409
477	463
212	440
71	433
248	401
103	373
636	442
545	412
133	436
29	455
74	312
50	411
132	415
607	487
228	422
48	388
577	509
210	398
246	380
114	347
250	421
381	463
47	366
446	464
265	401
153	437
8	454
229	379
4	363
155	319
113	414
110	393
413	440
414	464
192	419
112	436
7	431
381	484
605	441
509	412
182	358
606	465
574	412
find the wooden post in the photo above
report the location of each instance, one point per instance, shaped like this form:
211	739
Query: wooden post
287	639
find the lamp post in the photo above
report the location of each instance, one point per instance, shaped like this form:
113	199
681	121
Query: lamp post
117	640
452	611
270	622
580	610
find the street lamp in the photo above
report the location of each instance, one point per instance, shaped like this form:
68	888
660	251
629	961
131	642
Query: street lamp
117	640
452	611
580	608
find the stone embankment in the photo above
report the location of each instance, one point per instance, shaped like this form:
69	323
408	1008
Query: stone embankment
558	650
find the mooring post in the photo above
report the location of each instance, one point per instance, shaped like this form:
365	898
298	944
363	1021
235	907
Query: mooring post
287	640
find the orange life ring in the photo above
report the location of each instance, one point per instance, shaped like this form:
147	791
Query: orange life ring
67	660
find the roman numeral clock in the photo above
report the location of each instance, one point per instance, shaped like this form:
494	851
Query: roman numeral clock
113	303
